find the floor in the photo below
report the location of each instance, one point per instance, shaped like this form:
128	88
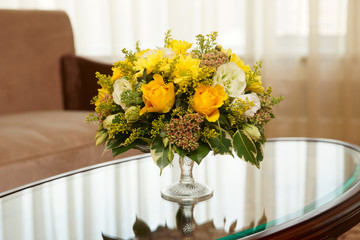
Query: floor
352	234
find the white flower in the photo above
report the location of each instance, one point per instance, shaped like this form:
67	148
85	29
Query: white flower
132	114
108	121
119	87
252	97
252	131
232	78
168	53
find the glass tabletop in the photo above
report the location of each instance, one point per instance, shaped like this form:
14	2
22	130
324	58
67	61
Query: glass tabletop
121	199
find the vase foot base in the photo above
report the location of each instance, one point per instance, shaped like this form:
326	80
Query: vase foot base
186	192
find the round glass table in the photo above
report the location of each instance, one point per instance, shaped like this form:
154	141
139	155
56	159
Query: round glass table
305	189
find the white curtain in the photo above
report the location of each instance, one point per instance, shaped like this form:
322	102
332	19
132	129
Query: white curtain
310	48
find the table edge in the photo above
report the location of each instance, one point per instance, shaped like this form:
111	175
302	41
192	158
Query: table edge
328	221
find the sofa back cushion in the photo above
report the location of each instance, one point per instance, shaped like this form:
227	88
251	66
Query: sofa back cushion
31	45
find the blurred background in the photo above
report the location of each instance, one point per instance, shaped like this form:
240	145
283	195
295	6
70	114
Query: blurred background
310	49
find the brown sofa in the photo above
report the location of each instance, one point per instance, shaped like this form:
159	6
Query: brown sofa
44	92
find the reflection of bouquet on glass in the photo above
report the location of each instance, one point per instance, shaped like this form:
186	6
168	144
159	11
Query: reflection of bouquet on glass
187	227
185	100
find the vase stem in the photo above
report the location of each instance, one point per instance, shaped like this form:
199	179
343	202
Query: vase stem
186	165
186	190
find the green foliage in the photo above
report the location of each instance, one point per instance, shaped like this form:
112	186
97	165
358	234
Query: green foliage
160	153
138	49
131	98
134	135
265	114
245	148
106	108
221	144
127	69
129	129
158	126
276	100
91	117
122	149
104	81
199	154
257	68
119	127
259	152
205	43
252	75
182	153
130	55
167	38
114	143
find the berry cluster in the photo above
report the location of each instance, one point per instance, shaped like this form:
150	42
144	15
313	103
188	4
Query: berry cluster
213	59
184	131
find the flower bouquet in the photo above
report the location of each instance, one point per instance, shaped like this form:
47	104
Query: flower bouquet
186	99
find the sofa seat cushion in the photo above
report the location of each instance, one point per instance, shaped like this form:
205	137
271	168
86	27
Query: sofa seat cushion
36	145
36	134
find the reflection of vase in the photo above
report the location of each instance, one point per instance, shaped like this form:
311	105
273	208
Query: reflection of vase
186	190
185	222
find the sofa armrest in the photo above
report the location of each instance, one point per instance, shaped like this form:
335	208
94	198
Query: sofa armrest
79	81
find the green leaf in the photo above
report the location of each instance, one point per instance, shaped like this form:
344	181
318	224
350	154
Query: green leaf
222	144
262	139
146	140
245	148
177	102
170	153
144	75
223	120
160	153
259	152
122	149
113	143
180	151
199	154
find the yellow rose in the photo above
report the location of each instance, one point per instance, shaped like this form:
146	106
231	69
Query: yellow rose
157	96
208	99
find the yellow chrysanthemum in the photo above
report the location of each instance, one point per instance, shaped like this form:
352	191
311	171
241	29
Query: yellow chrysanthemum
139	54
103	95
148	63
116	74
256	86
186	67
236	59
180	47
165	67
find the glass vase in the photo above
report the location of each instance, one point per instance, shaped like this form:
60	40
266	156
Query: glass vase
186	190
